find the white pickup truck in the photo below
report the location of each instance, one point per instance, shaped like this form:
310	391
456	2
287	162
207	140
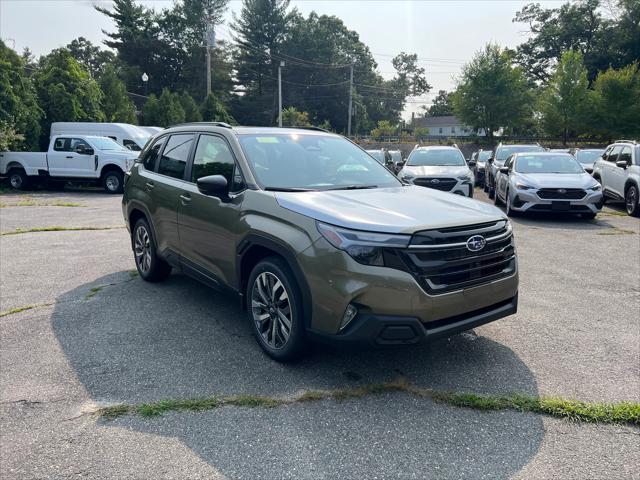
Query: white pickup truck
70	158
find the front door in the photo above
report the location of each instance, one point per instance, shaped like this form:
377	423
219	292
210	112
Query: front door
608	169
66	161
618	174
208	225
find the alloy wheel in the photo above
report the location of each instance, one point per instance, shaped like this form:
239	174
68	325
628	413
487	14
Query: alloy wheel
631	199
16	181
112	183
271	310
142	249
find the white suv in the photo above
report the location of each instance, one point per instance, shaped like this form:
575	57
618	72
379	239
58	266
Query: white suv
618	171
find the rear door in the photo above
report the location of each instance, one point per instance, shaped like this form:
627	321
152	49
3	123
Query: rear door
164	184
608	168
65	161
618	174
208	225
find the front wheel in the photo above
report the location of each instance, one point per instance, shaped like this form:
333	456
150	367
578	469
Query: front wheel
510	211
18	179
589	216
113	181
274	303
150	267
631	199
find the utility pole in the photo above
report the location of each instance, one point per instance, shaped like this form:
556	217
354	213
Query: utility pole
280	93
208	70
210	42
350	102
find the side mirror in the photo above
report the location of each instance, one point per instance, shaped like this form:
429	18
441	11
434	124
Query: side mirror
504	170
471	163
213	186
622	164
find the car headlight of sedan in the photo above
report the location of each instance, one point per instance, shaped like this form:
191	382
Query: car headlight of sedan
407	177
467	177
523	186
595	187
364	247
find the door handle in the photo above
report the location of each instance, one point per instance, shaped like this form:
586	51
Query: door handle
69	156
186	198
150	185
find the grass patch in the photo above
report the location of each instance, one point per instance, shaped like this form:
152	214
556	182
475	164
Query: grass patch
92	292
34	203
617	231
133	273
613	213
54	228
23	308
614	413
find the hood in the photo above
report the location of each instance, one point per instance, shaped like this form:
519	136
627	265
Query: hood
436	171
558	180
125	155
406	209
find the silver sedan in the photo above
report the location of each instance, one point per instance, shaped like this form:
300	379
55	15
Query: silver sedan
547	182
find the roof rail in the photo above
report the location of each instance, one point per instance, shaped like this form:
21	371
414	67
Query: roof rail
213	124
626	141
309	127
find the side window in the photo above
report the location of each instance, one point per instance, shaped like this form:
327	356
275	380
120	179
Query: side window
151	156
61	144
613	154
75	143
173	160
131	145
213	157
509	162
625	154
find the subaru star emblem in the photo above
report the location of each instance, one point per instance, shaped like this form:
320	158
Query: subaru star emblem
435	180
476	243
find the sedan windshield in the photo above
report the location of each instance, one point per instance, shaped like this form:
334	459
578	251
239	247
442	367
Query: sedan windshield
547	164
588	156
377	154
312	162
104	143
432	158
484	155
504	152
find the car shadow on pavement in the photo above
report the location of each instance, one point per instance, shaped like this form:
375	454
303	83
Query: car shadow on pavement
134	342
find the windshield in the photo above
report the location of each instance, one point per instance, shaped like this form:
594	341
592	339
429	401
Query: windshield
377	154
104	143
312	162
503	152
396	155
484	155
432	158
547	164
588	156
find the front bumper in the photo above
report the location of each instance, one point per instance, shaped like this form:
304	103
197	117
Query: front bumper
387	298
529	201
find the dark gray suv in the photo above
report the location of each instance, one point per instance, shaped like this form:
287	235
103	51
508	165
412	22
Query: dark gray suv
319	239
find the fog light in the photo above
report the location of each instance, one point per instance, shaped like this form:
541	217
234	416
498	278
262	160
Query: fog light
349	314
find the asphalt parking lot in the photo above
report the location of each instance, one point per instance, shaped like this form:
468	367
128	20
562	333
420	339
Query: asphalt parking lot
86	332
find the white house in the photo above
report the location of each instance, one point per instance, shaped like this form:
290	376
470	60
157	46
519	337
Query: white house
448	126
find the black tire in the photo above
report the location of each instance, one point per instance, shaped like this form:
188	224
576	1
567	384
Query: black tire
510	212
496	199
589	216
632	200
492	193
113	181
271	330
18	179
150	267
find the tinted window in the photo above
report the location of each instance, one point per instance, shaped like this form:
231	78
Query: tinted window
63	144
174	156
445	157
508	162
312	161
151	156
131	145
547	164
625	155
613	154
213	157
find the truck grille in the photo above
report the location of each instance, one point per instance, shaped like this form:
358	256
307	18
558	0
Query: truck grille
441	261
444	184
561	193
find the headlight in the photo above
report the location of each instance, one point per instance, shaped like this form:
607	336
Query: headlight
467	176
523	186
363	247
595	187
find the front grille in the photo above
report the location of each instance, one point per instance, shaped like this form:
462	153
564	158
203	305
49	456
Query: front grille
444	184
561	193
441	261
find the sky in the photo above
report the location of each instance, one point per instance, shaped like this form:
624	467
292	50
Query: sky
444	34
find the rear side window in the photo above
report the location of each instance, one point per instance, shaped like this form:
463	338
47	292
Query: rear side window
213	157
174	156
625	155
151	156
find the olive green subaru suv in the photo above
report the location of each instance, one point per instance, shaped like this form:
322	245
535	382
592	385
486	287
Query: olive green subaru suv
320	240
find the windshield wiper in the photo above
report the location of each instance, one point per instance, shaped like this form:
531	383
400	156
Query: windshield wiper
353	187
288	189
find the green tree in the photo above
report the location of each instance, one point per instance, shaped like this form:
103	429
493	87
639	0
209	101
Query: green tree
441	105
66	92
214	111
90	56
562	102
191	110
384	129
19	111
163	111
491	93
615	102
115	102
420	132
293	118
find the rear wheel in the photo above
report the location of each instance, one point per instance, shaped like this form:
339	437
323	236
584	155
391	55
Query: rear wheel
113	181
150	267
18	179
510	211
631	199
274	303
496	199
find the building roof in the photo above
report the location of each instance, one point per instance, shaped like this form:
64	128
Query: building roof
436	121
